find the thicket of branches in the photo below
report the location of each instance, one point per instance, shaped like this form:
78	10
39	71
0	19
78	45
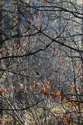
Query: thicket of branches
41	62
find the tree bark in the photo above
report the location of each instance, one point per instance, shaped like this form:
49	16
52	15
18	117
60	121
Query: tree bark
82	49
1	38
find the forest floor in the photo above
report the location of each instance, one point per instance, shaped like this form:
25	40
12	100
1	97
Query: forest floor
52	118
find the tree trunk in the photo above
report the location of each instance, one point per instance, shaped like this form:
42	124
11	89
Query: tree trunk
18	23
1	104
82	54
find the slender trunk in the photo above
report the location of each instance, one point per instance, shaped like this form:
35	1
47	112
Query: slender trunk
82	49
60	28
18	23
1	104
81	80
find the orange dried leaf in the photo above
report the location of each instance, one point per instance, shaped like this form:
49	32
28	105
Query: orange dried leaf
72	86
5	52
56	71
47	87
74	103
21	88
39	21
39	64
64	99
79	87
30	21
54	95
80	77
67	83
38	68
8	90
43	90
21	26
74	91
46	93
69	103
74	108
63	118
62	60
3	49
66	112
78	103
38	84
74	64
33	86
2	90
21	59
62	94
47	82
78	69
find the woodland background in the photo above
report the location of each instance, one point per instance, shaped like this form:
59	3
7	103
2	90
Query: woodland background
41	62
